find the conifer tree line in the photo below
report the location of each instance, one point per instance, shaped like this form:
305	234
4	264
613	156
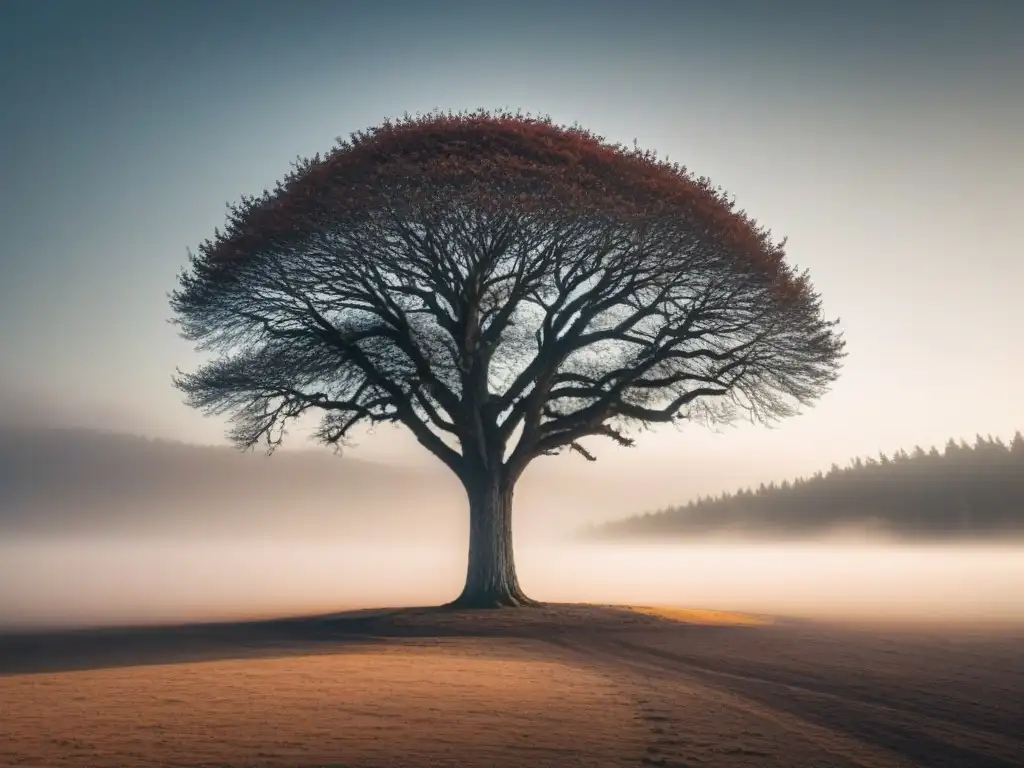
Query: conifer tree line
962	491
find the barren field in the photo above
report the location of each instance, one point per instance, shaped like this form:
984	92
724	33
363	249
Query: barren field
553	686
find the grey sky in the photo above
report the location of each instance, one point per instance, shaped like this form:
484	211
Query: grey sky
883	138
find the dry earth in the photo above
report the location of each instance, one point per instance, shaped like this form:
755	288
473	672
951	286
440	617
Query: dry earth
552	686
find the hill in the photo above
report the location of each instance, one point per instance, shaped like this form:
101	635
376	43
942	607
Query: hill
966	491
68	482
79	481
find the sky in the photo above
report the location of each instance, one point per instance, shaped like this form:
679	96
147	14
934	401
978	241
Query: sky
881	138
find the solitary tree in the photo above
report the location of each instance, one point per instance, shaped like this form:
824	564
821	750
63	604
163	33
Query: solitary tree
504	288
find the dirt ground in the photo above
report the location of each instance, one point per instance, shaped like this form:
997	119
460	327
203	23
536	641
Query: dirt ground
552	686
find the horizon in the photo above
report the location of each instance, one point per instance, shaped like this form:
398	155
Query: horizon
592	499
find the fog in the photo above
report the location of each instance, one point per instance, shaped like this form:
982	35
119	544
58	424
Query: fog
96	582
81	484
101	528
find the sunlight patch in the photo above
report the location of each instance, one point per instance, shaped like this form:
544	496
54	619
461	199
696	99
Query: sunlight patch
702	616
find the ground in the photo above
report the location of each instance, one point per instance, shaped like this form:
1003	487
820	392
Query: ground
549	686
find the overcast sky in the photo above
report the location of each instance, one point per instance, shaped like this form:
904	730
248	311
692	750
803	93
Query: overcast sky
883	138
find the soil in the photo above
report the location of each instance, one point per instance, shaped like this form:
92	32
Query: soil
563	685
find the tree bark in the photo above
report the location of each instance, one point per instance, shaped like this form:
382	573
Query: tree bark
491	580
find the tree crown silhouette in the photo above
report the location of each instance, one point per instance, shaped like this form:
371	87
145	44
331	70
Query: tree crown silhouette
559	281
502	286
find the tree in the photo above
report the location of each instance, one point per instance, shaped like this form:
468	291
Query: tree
505	288
1017	445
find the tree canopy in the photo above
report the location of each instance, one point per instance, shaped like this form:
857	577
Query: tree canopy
502	286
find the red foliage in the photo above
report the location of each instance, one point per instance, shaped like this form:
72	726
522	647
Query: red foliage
493	161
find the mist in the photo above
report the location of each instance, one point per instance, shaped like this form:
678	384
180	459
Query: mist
93	582
81	484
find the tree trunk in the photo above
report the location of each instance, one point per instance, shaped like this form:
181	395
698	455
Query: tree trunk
491	580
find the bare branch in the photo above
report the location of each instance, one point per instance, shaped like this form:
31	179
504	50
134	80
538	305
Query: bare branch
482	278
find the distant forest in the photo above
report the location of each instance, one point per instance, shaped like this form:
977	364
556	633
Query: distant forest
964	491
